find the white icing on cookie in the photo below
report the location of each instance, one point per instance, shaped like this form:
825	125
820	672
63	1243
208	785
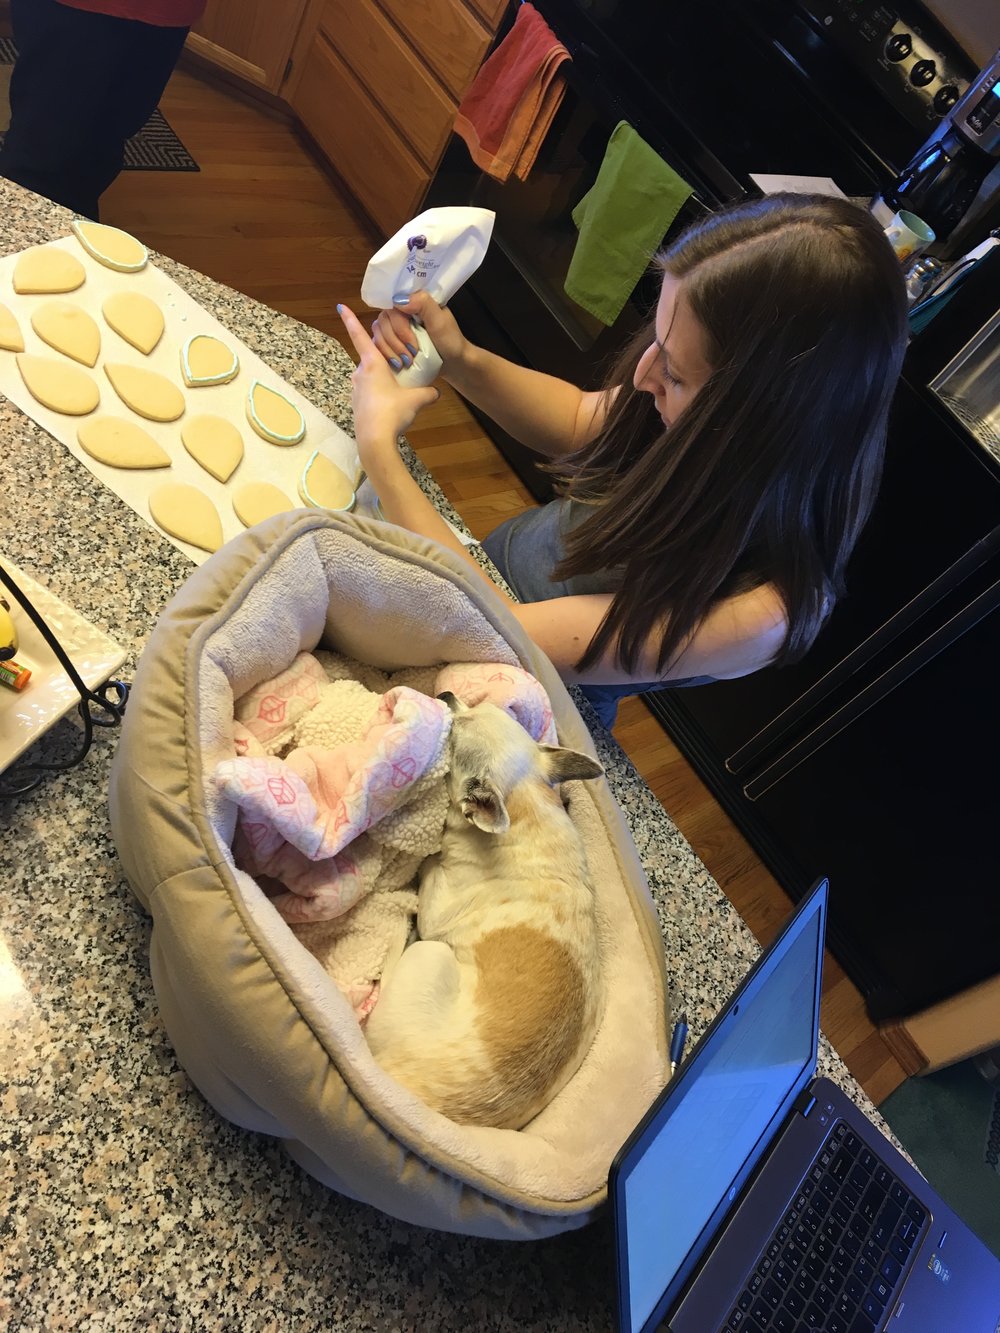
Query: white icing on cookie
273	416
110	245
323	485
206	360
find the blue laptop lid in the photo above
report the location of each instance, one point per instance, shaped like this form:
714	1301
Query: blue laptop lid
684	1165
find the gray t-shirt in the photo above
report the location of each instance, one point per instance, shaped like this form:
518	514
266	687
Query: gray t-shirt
527	548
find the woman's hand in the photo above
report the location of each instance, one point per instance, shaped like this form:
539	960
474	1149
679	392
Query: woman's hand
383	408
393	334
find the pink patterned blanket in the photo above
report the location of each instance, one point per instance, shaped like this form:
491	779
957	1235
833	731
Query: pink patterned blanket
340	793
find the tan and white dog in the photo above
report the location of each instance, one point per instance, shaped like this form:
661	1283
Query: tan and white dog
492	1010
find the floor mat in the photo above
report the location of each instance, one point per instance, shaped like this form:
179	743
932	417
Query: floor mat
949	1123
155	148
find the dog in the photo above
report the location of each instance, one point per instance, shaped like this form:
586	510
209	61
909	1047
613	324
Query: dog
491	1011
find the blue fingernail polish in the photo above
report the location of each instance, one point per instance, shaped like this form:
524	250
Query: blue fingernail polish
413	350
407	361
340	309
395	362
401	299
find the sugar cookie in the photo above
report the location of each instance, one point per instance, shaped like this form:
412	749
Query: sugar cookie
188	514
135	318
120	443
213	442
206	360
323	485
58	385
11	339
272	416
258	500
110	246
147	392
46	270
67	328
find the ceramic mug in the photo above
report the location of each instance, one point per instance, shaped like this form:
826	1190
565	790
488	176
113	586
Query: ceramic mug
908	235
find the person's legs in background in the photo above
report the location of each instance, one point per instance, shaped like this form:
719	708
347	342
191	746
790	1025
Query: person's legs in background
83	84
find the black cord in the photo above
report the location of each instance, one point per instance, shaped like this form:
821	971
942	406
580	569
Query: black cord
108	699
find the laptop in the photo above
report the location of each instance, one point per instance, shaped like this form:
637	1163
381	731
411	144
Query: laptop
755	1197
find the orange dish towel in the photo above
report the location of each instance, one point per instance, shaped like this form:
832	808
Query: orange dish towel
506	114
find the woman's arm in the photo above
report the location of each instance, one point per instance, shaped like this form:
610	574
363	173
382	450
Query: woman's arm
737	637
383	410
547	414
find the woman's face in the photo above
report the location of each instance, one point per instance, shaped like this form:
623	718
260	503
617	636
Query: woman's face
675	365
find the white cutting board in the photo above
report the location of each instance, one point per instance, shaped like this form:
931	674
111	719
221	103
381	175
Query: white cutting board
184	317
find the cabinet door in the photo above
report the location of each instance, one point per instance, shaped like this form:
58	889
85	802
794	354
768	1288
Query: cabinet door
451	38
383	62
491	10
250	38
363	146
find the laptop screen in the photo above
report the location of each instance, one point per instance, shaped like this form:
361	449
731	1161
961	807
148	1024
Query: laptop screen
681	1170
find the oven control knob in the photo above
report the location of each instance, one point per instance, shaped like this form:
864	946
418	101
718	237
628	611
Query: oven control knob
899	46
923	73
945	98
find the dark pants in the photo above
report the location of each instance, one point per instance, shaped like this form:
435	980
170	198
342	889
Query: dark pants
83	84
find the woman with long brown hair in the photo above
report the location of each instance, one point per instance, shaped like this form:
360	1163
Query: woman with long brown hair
710	496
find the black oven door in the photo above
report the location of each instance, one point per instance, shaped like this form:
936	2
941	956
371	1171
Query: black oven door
516	304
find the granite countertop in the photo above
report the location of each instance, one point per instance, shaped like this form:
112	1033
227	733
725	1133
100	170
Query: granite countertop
126	1201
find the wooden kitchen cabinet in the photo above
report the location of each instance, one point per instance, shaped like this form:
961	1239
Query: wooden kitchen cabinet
376	84
251	39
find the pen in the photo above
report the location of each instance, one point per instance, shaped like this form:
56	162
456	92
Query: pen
677	1039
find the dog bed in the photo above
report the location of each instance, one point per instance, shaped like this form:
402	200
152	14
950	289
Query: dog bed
259	1026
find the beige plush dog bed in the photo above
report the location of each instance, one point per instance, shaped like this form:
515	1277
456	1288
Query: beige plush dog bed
257	1023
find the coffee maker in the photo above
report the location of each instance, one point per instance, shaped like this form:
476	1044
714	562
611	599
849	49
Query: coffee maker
941	181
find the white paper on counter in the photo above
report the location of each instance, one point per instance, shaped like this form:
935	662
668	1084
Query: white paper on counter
772	184
184	317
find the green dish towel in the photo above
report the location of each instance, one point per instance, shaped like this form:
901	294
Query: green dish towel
622	220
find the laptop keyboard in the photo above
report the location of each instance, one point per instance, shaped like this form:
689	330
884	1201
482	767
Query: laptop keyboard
841	1251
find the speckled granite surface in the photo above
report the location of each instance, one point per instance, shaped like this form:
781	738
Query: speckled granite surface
125	1201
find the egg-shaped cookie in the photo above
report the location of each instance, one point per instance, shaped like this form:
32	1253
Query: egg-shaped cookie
205	361
110	246
323	485
11	337
258	500
47	269
67	328
273	416
136	318
147	392
214	443
120	443
186	512
58	384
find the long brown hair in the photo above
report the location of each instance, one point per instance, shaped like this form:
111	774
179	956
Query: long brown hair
770	473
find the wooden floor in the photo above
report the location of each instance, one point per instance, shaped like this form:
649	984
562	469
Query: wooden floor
264	217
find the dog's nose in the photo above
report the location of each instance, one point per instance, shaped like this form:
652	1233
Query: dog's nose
448	698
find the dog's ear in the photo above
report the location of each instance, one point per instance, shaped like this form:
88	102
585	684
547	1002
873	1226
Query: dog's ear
483	806
453	701
568	765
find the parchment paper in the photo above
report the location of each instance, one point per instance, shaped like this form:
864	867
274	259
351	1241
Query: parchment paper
184	317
